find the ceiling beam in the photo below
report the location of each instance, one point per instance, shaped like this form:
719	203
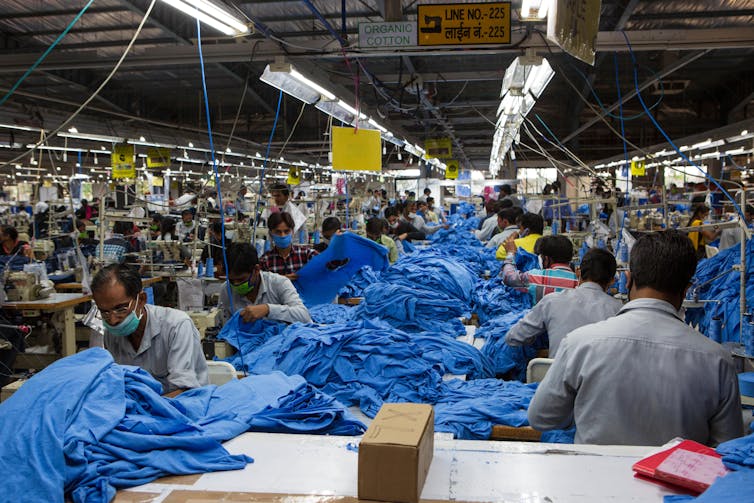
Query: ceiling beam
740	106
700	14
59	13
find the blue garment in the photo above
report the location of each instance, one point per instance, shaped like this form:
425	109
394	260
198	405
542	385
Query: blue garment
362	279
526	261
330	313
493	299
325	274
738	454
246	337
435	271
735	487
506	358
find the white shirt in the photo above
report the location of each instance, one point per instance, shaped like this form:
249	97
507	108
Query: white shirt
488	227
642	377
170	350
501	237
560	313
182	230
274	290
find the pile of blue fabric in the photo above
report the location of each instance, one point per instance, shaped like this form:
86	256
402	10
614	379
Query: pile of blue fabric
726	289
246	337
434	271
111	428
413	309
493	299
362	279
330	313
506	358
458	234
478	258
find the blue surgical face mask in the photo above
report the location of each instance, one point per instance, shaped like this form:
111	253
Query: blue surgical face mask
126	327
282	242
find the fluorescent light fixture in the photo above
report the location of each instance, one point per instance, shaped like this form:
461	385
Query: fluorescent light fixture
150	144
285	77
73	130
333	109
211	15
92	137
21	128
378	126
348	108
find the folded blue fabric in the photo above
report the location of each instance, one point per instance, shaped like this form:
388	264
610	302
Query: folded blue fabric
506	358
325	274
330	313
735	486
436	271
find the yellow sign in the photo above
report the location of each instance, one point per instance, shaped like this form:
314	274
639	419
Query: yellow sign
158	158
158	181
464	23
294	176
441	148
451	170
573	25
356	149
638	168
122	160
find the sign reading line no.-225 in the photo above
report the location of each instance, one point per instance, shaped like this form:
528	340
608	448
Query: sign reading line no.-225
464	23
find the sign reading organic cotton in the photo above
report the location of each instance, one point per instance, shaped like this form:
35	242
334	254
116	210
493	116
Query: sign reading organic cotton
381	35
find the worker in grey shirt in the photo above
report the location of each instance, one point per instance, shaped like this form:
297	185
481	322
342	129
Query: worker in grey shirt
559	313
731	237
162	341
259	294
506	220
643	377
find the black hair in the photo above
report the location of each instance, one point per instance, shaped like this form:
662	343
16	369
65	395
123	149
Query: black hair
664	261
535	223
505	203
420	203
10	231
506	189
280	187
375	225
118	273
698	211
156	217
123	227
84	202
508	214
331	224
547	190
216	227
558	248
80	224
749	209
167	225
187	211
556	185
242	258
430	199
281	217
427	190
598	265
392	211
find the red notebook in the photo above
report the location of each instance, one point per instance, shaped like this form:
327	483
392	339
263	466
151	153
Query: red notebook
689	464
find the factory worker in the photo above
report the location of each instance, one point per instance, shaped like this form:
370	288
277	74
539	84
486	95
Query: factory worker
400	229
560	313
184	230
554	273
699	239
11	245
644	376
284	257
506	223
530	228
257	293
374	232
731	237
281	194
161	340
330	227
506	193
410	216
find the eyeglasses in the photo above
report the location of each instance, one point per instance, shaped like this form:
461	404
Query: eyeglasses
119	311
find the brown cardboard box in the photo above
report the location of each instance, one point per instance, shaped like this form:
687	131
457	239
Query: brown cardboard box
395	453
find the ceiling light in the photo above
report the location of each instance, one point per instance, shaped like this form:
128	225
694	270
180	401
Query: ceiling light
91	137
73	130
191	145
285	77
211	15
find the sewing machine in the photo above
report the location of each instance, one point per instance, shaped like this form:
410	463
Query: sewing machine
25	286
43	248
203	320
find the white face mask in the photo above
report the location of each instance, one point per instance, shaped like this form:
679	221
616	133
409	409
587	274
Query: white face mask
412	215
540	262
394	225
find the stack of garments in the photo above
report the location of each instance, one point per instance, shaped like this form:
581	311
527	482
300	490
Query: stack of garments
479	259
246	337
110	428
362	279
725	289
330	313
493	299
434	271
505	358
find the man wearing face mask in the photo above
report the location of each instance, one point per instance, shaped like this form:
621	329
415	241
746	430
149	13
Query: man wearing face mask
257	293
644	376
374	232
554	273
401	229
284	258
531	227
185	228
161	340
281	194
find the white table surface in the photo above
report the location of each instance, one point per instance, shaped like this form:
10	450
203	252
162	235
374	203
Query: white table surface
461	470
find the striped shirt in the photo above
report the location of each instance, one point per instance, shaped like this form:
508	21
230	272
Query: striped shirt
539	282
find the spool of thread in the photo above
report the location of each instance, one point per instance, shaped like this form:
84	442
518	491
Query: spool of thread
622	283
302	236
715	329
200	270
210	272
749	340
624	253
316	237
267	245
555	224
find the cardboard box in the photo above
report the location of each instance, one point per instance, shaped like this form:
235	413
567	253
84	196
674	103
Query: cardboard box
395	453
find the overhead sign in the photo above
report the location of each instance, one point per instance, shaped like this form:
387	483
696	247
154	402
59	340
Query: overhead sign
380	35
356	149
441	148
464	23
638	168
573	25
294	176
122	161
451	170
158	158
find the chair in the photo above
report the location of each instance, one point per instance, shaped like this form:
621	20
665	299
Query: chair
220	372
537	369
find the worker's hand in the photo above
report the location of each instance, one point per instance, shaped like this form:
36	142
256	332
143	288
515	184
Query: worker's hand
292	276
252	313
445	226
174	393
510	244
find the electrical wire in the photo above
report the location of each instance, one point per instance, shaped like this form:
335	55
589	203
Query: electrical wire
293	130
45	53
667	137
264	167
95	93
217	177
243	95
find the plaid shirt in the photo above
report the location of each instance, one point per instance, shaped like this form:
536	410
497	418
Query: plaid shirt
299	256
